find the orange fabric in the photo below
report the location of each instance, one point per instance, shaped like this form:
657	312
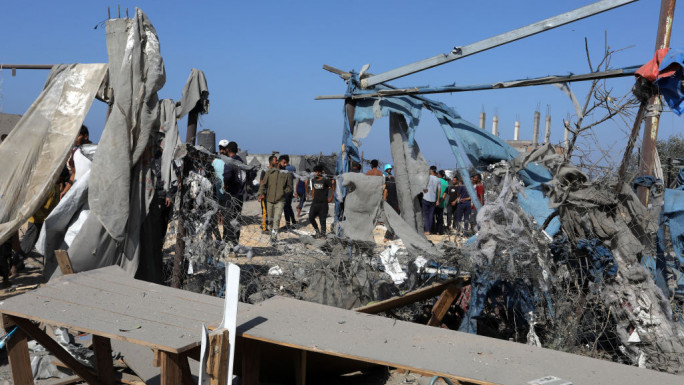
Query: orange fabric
649	71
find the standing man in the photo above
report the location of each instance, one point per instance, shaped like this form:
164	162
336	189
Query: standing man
301	191
234	180
463	208
272	164
430	199
374	171
452	196
274	188
322	192
441	198
82	138
289	213
389	195
221	197
476	180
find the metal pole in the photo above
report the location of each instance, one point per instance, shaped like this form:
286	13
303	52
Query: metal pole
654	104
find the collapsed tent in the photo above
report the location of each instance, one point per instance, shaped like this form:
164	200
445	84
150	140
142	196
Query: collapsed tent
35	152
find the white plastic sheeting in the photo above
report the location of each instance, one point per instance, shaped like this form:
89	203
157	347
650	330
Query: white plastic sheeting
35	152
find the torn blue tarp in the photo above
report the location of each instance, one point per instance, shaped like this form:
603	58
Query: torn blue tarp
671	86
645	180
474	149
516	297
534	203
602	262
673	217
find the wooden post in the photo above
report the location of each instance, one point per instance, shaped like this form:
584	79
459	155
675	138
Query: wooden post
250	362
64	262
654	103
103	358
217	362
300	368
19	359
171	373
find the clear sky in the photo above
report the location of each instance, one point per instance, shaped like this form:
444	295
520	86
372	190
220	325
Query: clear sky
263	61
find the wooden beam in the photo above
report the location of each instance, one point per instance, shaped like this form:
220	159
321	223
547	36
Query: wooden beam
103	358
64	262
443	304
171	372
19	359
56	349
217	362
251	362
495	41
411	297
300	368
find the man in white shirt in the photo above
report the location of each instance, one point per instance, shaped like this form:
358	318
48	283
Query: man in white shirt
430	194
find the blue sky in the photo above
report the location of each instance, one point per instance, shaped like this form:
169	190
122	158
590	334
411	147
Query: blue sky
263	61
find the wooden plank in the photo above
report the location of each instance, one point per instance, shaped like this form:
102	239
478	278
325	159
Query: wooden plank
103	359
411	297
434	351
300	368
140	360
19	359
251	362
186	373
171	373
443	304
105	323
64	262
56	349
495	41
217	361
156	360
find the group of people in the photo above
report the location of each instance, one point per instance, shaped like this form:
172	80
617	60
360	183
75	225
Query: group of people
440	195
279	185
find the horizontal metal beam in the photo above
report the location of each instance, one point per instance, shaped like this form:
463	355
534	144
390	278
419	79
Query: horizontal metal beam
504	38
15	67
621	72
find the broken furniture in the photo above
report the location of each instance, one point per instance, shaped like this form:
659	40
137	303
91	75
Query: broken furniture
109	304
313	328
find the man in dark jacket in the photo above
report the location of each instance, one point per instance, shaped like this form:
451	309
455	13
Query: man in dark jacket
234	186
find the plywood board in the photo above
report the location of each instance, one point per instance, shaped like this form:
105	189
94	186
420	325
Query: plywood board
110	303
430	350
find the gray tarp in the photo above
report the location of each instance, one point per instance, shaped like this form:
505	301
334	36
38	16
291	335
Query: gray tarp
362	205
36	150
121	185
136	74
410	171
195	90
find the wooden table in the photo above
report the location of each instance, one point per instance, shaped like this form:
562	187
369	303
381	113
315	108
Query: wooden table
318	329
109	304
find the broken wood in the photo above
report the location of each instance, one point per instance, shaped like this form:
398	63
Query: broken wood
64	262
19	360
412	297
217	362
443	304
103	358
53	347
